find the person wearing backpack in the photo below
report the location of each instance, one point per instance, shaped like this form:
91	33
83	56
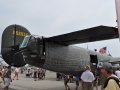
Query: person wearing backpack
112	81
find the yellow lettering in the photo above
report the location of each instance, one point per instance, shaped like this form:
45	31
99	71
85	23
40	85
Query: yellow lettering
18	33
22	34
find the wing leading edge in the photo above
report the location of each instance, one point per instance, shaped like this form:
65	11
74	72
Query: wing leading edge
87	35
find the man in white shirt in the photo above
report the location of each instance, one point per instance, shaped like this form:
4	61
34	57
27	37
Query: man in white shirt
87	78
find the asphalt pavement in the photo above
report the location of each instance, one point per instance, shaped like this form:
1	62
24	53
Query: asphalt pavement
49	83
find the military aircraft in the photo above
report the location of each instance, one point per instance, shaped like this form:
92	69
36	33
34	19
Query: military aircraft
55	53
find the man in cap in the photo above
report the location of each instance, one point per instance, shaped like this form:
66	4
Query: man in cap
112	82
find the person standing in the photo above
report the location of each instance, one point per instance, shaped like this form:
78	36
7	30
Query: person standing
1	79
16	73
117	73
66	80
35	74
77	81
43	71
7	77
71	78
112	82
87	78
58	76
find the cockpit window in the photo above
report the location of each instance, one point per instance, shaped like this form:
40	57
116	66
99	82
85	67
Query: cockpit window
25	42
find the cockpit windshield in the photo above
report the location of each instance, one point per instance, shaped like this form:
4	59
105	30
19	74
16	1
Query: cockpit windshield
25	42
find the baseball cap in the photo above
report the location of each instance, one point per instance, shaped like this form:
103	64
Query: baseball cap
107	66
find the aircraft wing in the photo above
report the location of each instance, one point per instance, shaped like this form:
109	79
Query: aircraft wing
115	61
87	35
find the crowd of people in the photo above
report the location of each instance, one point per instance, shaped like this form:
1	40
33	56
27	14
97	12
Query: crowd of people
8	74
104	76
36	73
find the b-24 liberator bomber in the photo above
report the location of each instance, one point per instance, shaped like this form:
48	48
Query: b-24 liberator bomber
55	53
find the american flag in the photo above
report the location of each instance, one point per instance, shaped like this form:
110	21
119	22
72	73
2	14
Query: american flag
103	50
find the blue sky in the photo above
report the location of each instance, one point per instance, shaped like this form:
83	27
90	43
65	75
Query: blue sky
54	17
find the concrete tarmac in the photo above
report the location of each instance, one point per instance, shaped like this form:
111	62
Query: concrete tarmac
49	83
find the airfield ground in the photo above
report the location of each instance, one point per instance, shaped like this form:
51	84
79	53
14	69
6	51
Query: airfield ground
49	83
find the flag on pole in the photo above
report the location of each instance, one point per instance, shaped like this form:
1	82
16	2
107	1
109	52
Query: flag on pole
103	50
